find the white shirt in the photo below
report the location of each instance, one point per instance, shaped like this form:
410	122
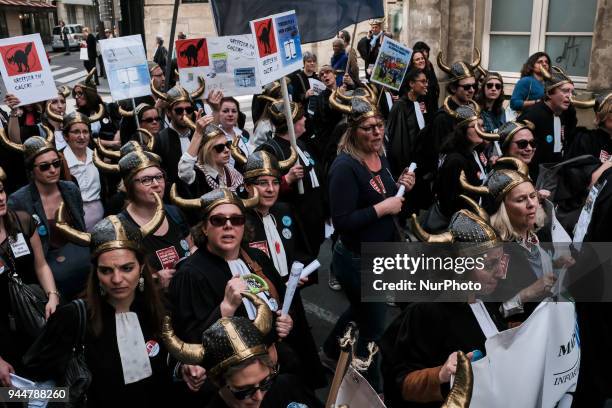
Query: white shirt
184	139
86	173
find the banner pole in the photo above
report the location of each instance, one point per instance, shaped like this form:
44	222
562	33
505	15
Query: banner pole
171	45
289	119
352	50
137	121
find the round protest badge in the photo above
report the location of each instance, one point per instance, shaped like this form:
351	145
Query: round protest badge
42	230
287	221
287	233
105	121
184	244
152	348
549	139
272	304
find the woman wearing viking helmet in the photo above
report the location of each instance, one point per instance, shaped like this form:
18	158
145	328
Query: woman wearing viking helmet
459	153
103	125
142	123
425	345
144	180
210	282
205	166
310	206
363	209
122	345
516	215
21	257
41	198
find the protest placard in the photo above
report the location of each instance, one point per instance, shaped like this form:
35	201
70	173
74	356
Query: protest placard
391	64
279	48
25	69
126	67
226	63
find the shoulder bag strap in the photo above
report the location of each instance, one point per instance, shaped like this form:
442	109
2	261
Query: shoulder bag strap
257	270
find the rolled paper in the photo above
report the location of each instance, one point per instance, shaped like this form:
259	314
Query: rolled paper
310	268
401	190
294	279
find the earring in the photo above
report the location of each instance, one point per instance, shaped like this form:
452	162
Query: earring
102	291
141	283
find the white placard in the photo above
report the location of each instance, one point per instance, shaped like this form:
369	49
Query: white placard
25	69
548	343
316	86
125	62
278	46
226	63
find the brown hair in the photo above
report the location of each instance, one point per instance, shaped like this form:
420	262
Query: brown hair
154	311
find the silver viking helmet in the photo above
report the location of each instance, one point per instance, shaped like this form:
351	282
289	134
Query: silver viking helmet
509	173
459	70
212	199
262	163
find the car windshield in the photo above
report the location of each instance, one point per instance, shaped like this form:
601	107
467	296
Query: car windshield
76	29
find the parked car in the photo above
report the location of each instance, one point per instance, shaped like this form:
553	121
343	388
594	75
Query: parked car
74	37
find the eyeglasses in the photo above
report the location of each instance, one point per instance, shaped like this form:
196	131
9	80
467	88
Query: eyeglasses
467	87
221	220
46	166
148	180
248	392
265	183
78	132
150	120
522	144
220	148
78	94
423	81
369	129
179	111
496	86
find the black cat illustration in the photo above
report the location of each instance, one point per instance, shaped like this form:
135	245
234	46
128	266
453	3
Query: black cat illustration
20	58
191	53
264	37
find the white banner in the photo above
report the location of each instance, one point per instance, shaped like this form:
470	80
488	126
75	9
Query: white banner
279	48
226	63
356	392
25	69
532	365
125	62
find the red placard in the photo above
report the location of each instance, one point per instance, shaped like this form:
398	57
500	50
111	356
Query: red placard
20	58
192	53
168	257
266	41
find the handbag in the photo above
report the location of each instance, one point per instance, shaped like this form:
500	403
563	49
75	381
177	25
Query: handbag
78	377
434	220
27	302
83	56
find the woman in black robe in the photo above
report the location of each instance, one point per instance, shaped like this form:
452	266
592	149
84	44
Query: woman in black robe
122	336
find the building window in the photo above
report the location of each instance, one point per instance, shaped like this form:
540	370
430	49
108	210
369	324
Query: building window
72	14
3	26
516	29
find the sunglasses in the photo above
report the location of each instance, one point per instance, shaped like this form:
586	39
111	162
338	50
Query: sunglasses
78	94
148	180
467	87
46	166
522	144
263	386
179	111
221	146
496	86
221	220
150	120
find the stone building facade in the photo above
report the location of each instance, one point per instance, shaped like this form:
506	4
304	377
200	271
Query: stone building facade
577	34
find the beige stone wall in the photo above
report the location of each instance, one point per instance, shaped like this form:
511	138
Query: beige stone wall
13	23
600	72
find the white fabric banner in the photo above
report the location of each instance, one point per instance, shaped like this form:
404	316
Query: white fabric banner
533	365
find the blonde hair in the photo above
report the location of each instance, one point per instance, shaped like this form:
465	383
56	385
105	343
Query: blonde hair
500	221
349	144
205	153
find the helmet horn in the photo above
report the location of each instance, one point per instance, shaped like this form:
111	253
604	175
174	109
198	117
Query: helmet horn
161	95
465	184
460	395
253	201
425	236
53	116
441	63
111	154
194	203
98	115
8	143
236	151
102	165
157	220
476	63
198	92
76	236
485	135
475	207
263	317
339	106
287	164
186	353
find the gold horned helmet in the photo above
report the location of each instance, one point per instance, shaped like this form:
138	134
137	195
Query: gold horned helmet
602	105
506	131
358	107
213	199
29	148
227	343
509	173
459	70
262	163
179	94
113	232
555	78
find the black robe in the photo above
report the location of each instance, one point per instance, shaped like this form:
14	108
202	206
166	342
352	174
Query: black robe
168	147
596	142
308	207
49	357
447	187
423	336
